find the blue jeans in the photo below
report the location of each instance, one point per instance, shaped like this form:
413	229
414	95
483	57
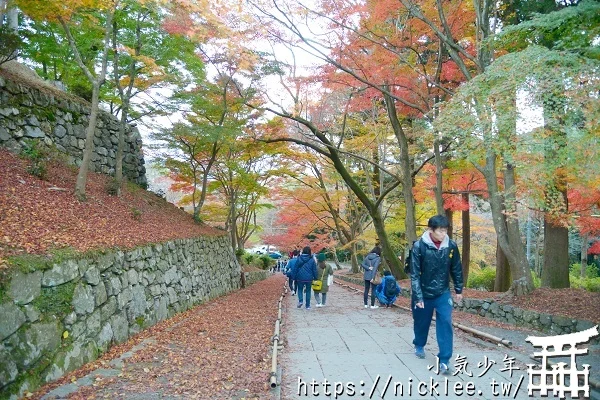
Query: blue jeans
292	284
318	297
300	286
443	324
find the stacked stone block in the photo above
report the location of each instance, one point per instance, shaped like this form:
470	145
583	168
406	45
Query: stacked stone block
56	320
27	113
547	323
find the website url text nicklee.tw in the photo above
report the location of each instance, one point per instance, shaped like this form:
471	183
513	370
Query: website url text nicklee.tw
408	388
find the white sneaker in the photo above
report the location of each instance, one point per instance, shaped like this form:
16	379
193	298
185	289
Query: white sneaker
374	307
366	306
444	369
319	305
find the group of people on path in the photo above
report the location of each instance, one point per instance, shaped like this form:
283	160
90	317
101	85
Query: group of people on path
433	260
279	265
303	271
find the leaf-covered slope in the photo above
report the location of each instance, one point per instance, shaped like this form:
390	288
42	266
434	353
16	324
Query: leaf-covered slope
37	216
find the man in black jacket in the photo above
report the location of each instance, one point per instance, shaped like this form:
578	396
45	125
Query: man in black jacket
434	259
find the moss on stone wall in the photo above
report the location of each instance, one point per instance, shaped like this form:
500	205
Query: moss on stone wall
56	300
60	311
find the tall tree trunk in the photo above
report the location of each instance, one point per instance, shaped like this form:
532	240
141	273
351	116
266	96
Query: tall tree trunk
242	279
556	256
410	222
196	214
120	148
538	250
44	67
233	235
335	258
450	215
508	237
233	220
240	244
466	241
438	189
89	144
195	207
556	237
125	95
206	174
2	12
96	82
386	250
584	255
528	237
354	259
502	281
514	237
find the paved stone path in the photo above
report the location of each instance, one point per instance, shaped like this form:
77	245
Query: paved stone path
362	349
358	351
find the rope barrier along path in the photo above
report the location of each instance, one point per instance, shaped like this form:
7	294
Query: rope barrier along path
273	375
473	331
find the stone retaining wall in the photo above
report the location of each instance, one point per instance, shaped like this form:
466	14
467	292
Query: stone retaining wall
63	315
30	113
547	323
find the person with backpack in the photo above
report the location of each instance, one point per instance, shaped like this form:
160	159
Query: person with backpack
370	265
323	272
433	261
305	271
388	290
290	272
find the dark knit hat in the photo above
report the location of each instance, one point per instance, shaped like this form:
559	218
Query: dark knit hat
321	257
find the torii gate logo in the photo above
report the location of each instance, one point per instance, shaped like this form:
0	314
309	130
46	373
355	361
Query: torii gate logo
558	376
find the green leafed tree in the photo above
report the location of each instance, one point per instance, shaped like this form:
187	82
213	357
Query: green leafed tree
216	118
573	30
78	16
241	180
482	116
145	58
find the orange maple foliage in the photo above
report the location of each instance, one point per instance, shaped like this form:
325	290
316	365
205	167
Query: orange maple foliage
460	178
390	49
298	224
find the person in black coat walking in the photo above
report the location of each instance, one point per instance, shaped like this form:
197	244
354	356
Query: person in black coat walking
434	260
